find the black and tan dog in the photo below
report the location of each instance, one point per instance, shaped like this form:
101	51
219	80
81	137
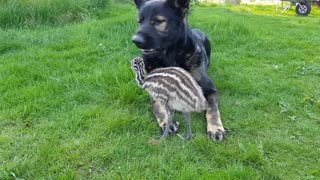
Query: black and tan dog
166	40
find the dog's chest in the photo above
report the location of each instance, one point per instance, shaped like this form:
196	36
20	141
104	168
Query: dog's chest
181	59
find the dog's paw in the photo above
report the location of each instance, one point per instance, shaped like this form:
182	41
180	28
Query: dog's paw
173	128
217	134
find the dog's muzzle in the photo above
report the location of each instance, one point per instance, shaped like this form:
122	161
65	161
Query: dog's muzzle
139	40
141	43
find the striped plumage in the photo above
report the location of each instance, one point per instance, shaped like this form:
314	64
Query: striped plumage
174	87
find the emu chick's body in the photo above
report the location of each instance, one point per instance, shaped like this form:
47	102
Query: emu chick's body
174	88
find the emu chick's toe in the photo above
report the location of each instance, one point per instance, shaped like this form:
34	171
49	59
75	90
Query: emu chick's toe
188	136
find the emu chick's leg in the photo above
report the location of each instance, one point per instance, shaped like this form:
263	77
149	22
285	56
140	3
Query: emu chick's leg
169	122
160	112
166	131
189	134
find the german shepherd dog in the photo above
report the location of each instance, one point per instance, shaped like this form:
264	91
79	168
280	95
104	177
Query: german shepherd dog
166	40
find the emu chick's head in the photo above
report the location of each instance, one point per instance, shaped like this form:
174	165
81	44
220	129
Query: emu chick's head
137	64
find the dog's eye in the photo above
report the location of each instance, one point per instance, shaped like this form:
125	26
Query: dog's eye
159	21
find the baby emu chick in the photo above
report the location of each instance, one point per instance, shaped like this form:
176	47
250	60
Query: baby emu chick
174	88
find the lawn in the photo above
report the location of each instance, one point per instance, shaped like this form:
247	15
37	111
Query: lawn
70	109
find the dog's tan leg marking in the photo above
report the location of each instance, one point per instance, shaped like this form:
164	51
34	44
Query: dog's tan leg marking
215	128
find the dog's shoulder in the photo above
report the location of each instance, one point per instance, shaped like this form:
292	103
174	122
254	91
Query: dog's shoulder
199	35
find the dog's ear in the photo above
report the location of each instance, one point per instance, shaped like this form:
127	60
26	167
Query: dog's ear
182	5
139	3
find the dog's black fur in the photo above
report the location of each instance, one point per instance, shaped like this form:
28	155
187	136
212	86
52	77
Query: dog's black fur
166	40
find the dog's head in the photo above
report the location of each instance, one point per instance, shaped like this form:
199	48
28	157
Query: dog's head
161	24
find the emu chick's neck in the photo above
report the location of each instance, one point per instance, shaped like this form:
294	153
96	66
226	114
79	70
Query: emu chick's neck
140	76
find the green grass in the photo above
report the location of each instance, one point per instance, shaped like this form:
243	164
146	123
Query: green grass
70	109
33	13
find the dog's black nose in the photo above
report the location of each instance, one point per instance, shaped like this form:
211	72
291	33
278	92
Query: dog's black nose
138	40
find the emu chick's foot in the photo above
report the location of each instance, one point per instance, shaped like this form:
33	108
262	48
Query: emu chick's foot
173	128
188	136
164	136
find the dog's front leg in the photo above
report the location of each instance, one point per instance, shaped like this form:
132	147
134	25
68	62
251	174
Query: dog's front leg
161	113
215	128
